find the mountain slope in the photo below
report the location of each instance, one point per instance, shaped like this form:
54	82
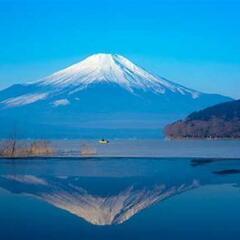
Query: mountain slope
103	69
107	91
220	121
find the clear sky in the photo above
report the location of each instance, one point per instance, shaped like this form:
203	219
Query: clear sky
193	42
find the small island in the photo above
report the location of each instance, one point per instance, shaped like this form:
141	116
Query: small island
219	121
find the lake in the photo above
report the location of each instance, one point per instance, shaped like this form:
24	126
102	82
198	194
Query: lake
120	198
150	147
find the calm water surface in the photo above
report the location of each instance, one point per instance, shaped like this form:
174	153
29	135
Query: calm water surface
154	147
120	198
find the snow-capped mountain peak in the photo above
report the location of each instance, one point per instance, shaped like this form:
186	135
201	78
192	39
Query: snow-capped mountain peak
106	83
112	68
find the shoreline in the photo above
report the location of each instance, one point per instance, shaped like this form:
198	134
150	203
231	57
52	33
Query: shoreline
129	157
203	139
149	148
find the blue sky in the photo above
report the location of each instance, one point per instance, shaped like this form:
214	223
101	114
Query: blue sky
195	43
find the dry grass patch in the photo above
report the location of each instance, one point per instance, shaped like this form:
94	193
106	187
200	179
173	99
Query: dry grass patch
14	148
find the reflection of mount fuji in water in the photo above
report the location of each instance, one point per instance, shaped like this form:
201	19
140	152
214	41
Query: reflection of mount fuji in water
99	209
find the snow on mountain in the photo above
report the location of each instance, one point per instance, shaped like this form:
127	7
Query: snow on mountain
113	69
61	102
24	99
99	68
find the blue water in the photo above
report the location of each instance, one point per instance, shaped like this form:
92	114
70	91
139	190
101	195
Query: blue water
120	198
151	147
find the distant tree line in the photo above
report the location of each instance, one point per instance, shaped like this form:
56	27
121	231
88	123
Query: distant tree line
220	121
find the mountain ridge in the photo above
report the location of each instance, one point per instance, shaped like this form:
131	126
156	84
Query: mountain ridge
97	69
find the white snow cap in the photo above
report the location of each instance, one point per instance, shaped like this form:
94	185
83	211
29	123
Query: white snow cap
116	69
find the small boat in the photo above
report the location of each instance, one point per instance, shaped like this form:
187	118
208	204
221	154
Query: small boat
103	141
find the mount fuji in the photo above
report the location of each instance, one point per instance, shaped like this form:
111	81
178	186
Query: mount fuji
104	91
